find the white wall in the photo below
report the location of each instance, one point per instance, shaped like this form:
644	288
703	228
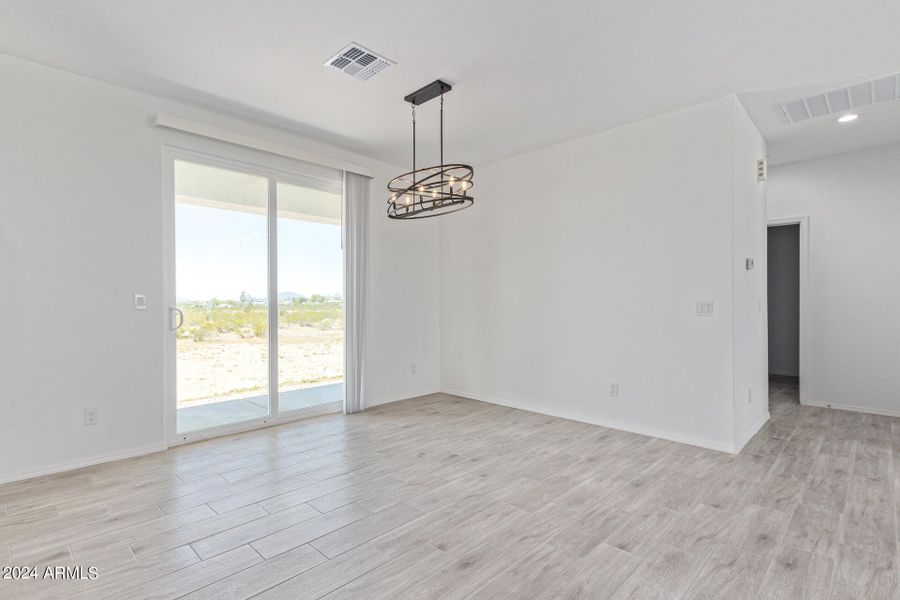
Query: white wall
853	313
784	300
81	229
580	263
749	317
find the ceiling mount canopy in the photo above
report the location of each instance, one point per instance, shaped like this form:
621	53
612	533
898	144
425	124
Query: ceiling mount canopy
430	191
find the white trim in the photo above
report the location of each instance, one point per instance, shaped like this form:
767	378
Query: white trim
753	431
169	155
805	369
81	463
272	293
183	439
401	397
664	435
852	408
223	157
255	143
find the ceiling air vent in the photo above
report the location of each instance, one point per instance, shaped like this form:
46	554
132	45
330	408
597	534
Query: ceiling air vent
886	89
359	63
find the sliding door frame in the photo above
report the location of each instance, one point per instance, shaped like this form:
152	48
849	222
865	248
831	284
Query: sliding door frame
171	154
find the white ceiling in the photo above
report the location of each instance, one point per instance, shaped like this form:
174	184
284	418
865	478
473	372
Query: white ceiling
526	73
878	124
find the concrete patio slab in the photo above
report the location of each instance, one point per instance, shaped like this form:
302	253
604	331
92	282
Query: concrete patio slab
229	412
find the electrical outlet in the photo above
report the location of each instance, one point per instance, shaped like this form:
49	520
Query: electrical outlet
412	368
613	389
91	415
140	302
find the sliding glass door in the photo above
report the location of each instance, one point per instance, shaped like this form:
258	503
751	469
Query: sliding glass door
258	313
221	258
310	298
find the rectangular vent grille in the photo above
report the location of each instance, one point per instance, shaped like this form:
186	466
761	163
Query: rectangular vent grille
359	63
886	89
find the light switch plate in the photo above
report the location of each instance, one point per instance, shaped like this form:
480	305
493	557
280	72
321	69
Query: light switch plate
704	308
140	302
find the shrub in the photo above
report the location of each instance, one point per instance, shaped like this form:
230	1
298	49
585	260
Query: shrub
203	321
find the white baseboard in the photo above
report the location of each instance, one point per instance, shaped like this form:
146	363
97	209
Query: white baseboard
81	463
141	451
885	412
399	397
754	430
665	435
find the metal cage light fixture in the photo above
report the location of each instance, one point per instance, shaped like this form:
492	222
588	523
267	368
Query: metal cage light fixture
430	191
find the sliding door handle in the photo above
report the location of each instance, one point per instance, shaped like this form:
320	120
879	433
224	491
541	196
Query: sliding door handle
175	316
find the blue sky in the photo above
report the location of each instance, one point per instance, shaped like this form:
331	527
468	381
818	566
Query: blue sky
221	253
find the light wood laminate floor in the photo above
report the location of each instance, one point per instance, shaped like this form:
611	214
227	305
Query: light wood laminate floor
442	497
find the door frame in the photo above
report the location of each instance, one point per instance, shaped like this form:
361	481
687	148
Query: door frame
171	153
803	350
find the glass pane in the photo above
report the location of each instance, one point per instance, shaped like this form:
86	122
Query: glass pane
310	298
221	257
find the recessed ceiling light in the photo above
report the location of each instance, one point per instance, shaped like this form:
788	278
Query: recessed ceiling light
848	118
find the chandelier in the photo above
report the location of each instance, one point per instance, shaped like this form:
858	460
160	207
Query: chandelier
430	191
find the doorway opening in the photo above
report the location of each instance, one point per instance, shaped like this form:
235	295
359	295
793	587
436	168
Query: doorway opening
785	267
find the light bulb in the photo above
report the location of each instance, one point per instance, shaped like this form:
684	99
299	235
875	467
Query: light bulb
408	200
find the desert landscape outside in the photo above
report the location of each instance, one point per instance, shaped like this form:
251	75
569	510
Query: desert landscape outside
223	344
224	255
